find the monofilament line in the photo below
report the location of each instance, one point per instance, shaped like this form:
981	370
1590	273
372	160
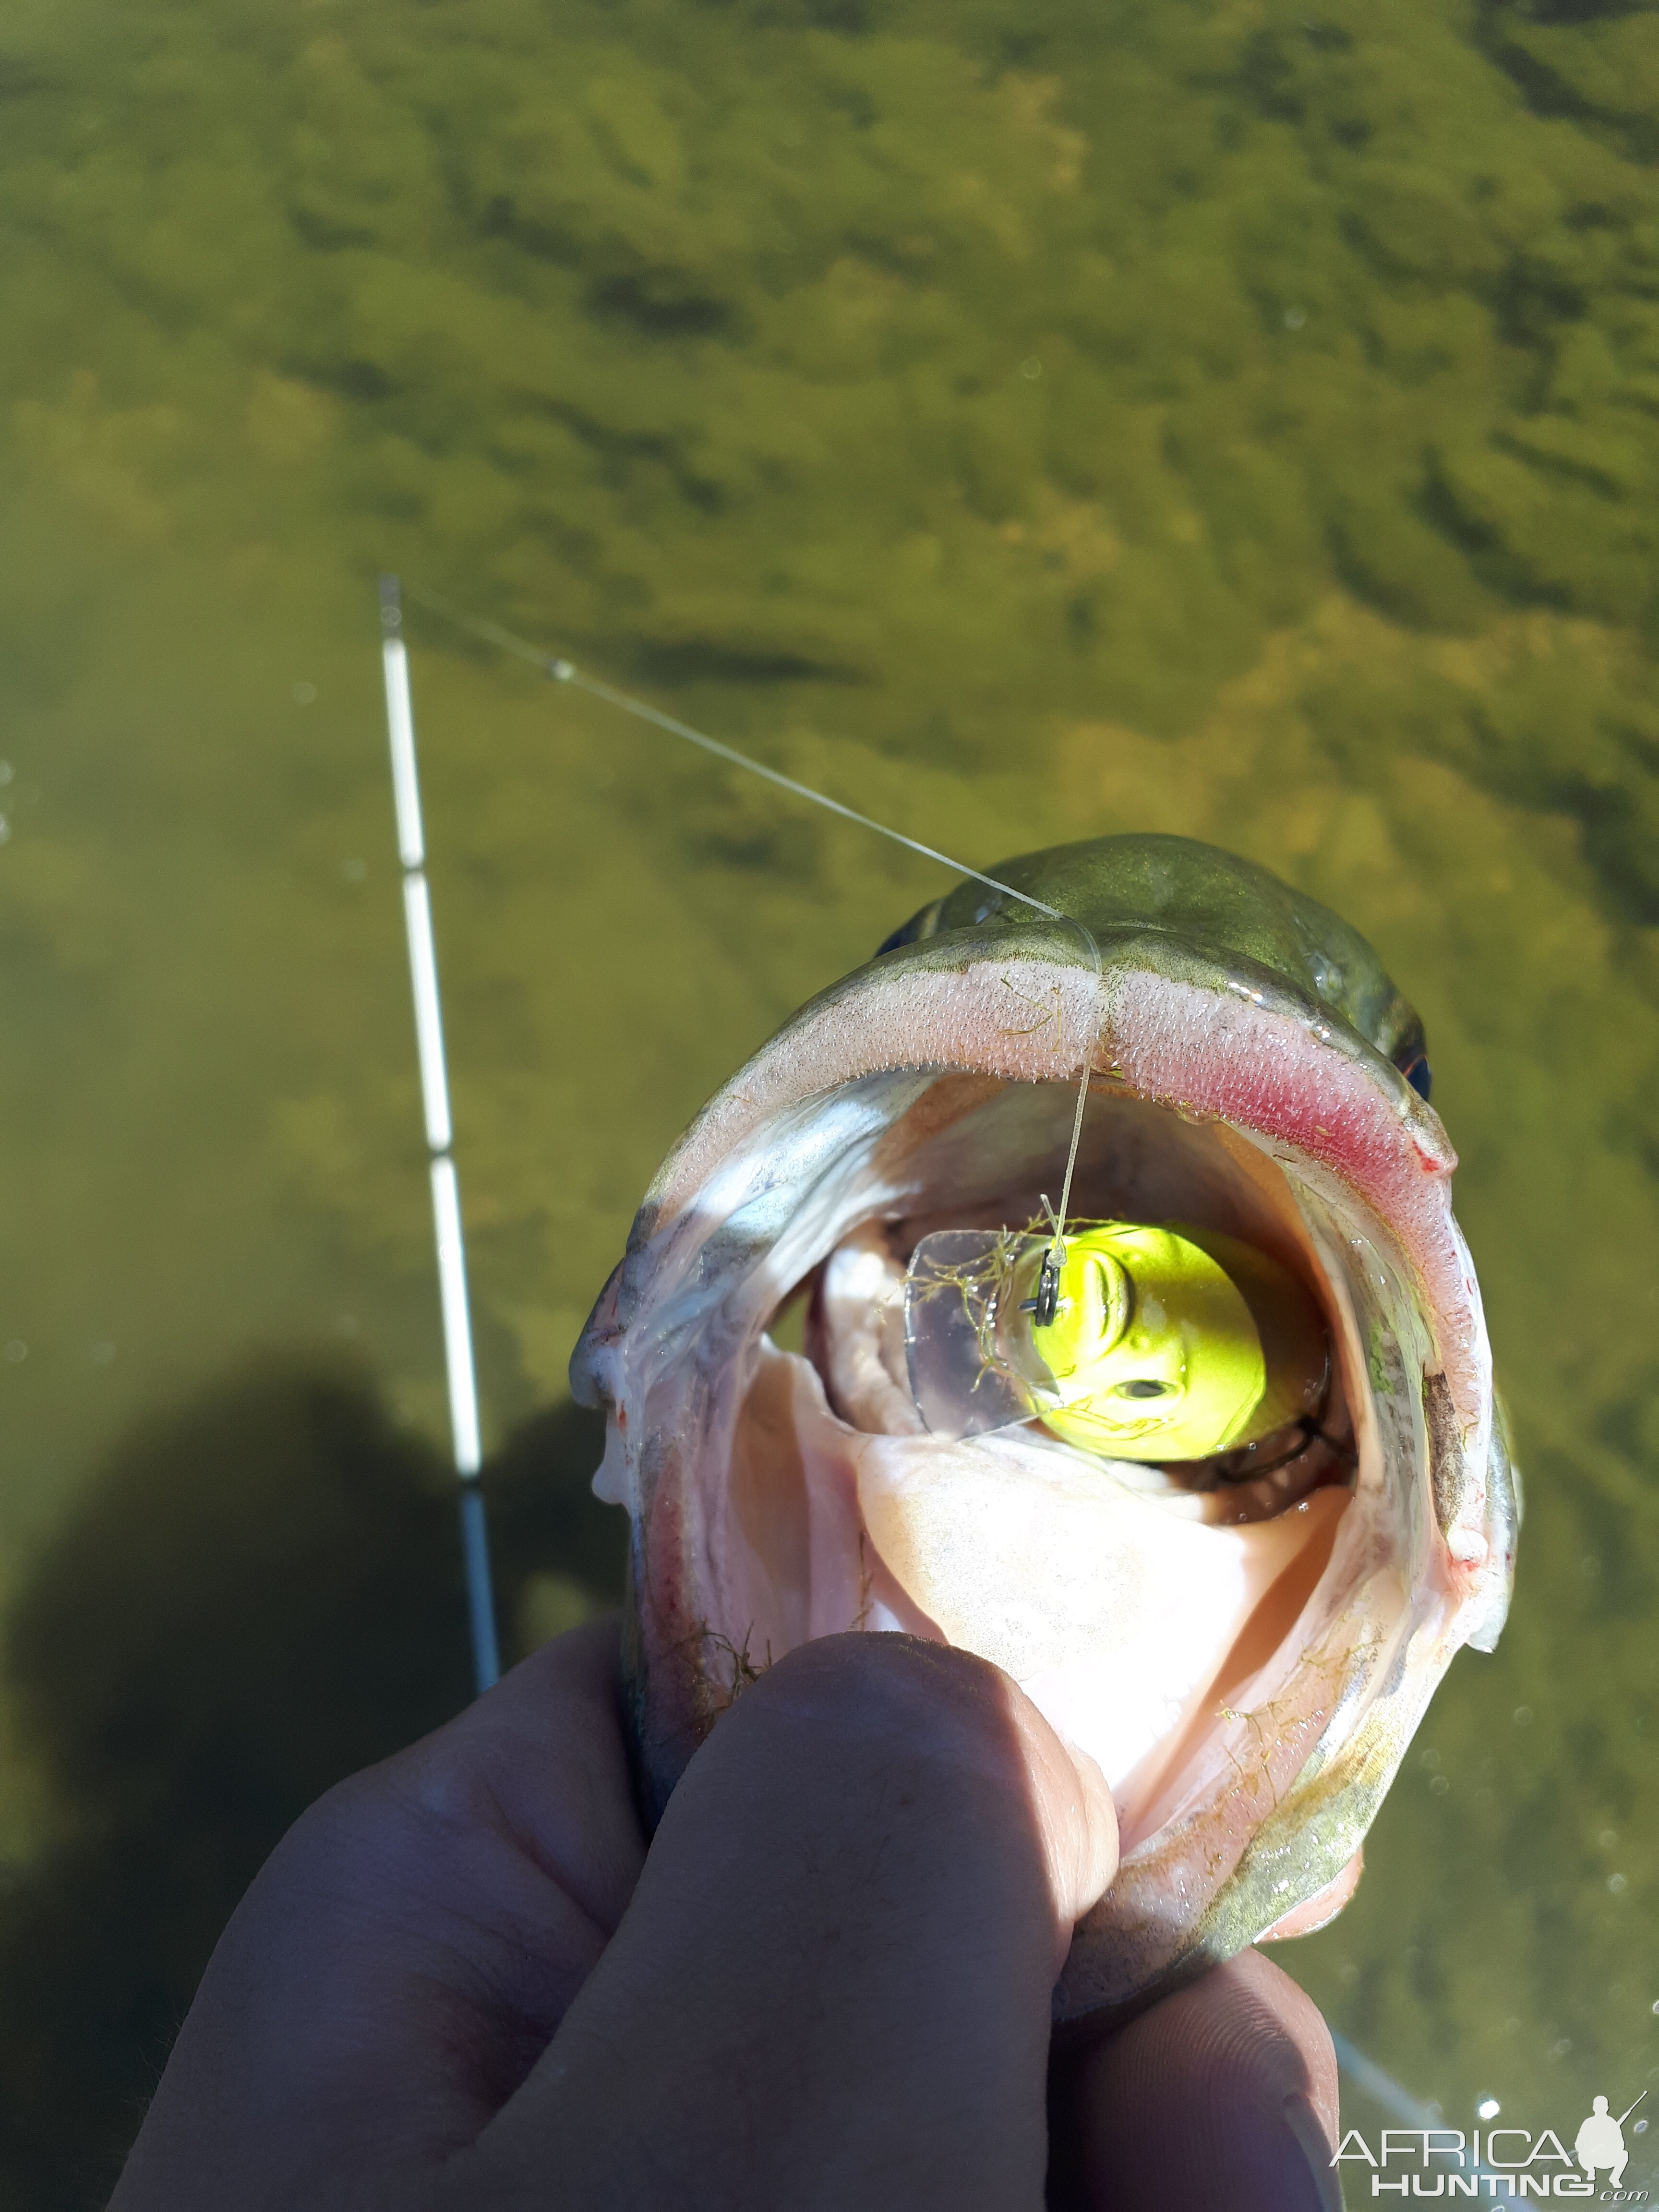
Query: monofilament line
1399	2103
566	671
461	1372
1071	1158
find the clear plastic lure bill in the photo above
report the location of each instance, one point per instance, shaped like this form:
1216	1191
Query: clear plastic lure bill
1156	1342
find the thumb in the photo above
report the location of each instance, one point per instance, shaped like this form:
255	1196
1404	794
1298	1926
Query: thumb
832	1986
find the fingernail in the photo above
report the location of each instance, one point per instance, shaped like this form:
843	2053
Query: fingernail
1313	2144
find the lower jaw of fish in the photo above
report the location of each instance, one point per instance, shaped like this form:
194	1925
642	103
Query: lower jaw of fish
1244	1659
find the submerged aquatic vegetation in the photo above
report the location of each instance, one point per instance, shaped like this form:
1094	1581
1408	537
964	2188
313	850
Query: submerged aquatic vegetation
1140	327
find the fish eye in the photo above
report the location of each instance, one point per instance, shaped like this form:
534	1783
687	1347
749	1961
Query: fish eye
920	925
1142	1386
1416	1072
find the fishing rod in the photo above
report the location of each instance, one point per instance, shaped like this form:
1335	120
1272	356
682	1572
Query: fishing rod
460	1369
435	1080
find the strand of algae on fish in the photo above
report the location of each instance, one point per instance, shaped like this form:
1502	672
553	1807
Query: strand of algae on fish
1238	419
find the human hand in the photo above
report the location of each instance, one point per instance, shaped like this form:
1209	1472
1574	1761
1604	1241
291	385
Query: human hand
461	1982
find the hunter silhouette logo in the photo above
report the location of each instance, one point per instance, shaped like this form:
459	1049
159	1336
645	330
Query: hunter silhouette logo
1500	2163
1601	2142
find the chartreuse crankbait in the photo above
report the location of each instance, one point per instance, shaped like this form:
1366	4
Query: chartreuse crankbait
1153	1342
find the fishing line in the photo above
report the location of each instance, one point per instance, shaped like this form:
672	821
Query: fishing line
1412	2113
1048	1296
564	671
1364	2072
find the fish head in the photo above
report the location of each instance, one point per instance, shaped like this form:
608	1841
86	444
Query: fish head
1245	1642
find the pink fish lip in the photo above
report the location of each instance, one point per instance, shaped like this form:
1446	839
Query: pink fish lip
857	1086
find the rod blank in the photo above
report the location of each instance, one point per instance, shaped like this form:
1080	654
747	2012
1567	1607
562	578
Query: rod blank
457	1328
460	1370
400	728
429	1019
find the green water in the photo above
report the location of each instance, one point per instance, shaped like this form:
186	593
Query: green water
1237	419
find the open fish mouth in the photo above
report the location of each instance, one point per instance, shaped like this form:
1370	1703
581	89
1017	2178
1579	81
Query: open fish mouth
1243	1638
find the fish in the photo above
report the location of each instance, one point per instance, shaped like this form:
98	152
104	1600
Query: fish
1244	1638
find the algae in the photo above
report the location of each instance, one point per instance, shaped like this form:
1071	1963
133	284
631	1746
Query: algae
1229	417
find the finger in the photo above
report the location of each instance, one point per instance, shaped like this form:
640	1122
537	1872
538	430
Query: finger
404	1955
833	1985
541	1759
1221	2098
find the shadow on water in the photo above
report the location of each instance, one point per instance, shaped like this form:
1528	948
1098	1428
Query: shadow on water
259	1595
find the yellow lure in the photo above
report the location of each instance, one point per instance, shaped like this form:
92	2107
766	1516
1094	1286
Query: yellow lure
1155	1351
